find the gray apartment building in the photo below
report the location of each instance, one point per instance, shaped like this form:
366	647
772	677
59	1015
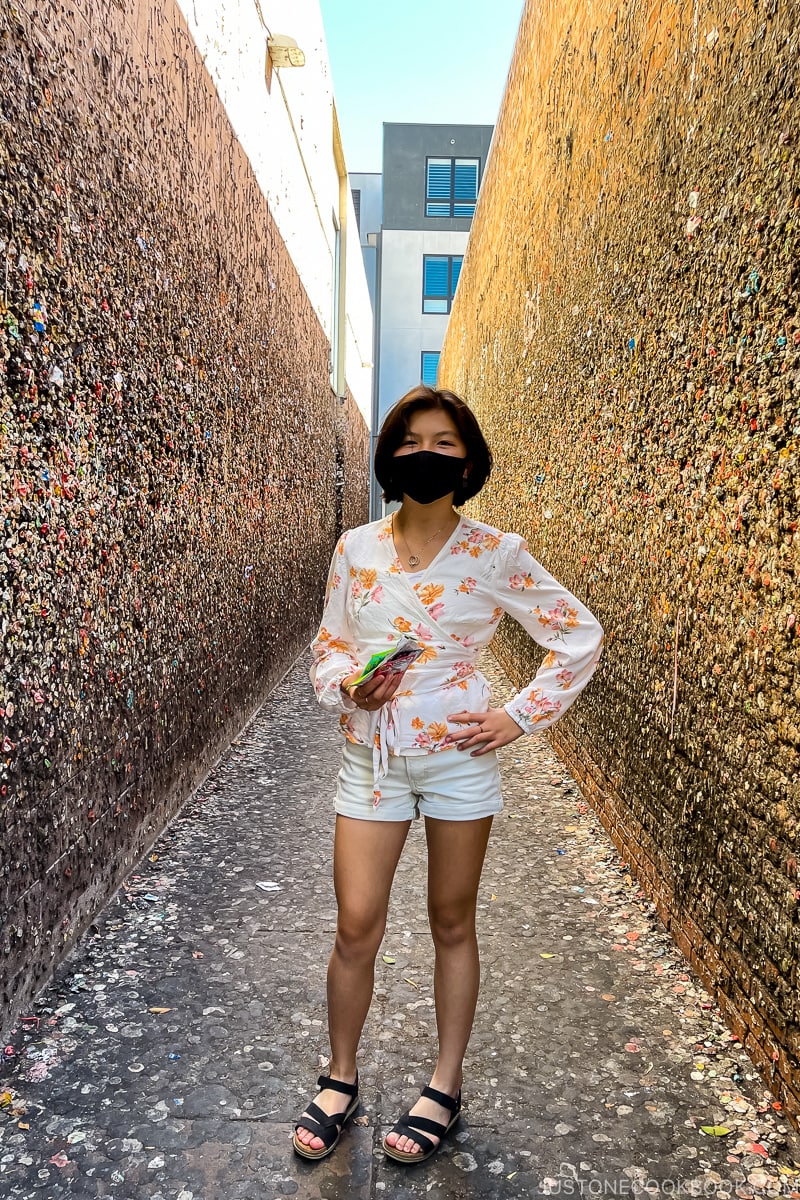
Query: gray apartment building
431	178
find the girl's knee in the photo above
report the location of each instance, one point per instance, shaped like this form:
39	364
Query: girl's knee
452	927
358	938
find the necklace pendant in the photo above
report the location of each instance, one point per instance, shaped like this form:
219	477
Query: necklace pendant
413	560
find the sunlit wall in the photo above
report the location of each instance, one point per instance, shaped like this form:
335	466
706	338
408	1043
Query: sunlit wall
626	326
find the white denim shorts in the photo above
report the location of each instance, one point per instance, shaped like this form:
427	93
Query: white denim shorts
448	785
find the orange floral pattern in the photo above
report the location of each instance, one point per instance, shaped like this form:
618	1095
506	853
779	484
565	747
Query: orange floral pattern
433	736
462	672
364	587
430	593
561	618
371	603
476	541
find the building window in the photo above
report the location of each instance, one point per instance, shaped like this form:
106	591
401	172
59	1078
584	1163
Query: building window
356	194
452	187
430	366
439	278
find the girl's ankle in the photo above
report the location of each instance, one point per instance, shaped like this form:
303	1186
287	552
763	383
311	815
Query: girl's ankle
449	1084
348	1076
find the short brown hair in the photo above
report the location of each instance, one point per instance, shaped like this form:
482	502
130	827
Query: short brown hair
395	428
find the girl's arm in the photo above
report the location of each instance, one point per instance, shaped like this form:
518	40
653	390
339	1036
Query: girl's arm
556	620
335	654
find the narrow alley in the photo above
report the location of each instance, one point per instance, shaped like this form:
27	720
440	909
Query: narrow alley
178	1042
209	307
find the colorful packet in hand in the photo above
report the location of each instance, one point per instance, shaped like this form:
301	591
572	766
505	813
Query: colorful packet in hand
393	661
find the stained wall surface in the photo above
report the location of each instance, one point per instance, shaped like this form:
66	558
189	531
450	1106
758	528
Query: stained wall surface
174	465
626	328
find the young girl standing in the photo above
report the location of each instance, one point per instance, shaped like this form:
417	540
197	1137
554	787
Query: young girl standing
425	743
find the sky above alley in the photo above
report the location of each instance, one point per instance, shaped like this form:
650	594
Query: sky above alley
431	61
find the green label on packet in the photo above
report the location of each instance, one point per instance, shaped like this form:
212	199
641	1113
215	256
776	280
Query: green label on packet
397	658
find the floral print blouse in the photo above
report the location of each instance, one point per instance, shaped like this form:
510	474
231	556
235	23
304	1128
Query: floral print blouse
452	609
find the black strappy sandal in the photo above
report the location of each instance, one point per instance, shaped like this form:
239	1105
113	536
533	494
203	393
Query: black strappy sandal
413	1127
328	1128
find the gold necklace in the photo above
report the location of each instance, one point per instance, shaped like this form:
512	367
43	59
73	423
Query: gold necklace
413	559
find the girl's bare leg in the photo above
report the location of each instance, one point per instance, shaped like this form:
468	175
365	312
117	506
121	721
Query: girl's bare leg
365	857
456	851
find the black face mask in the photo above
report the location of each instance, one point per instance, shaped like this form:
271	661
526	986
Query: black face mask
426	476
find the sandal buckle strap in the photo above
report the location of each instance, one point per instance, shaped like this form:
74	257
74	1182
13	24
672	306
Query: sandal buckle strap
449	1102
338	1085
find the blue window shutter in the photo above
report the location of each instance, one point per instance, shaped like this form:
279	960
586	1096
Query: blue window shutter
456	272
461	210
435	276
466	179
439	179
430	367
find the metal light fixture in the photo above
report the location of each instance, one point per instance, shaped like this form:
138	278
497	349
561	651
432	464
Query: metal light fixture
284	51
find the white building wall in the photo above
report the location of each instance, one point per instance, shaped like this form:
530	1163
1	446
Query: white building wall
287	134
405	331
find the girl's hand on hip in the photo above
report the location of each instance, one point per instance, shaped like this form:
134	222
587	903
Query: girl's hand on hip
373	694
489	730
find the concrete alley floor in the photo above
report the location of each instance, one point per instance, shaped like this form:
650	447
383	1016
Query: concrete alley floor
180	1040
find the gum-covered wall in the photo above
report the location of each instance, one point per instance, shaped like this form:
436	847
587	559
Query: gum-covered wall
626	328
169	455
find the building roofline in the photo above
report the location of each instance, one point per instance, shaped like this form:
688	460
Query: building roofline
433	125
